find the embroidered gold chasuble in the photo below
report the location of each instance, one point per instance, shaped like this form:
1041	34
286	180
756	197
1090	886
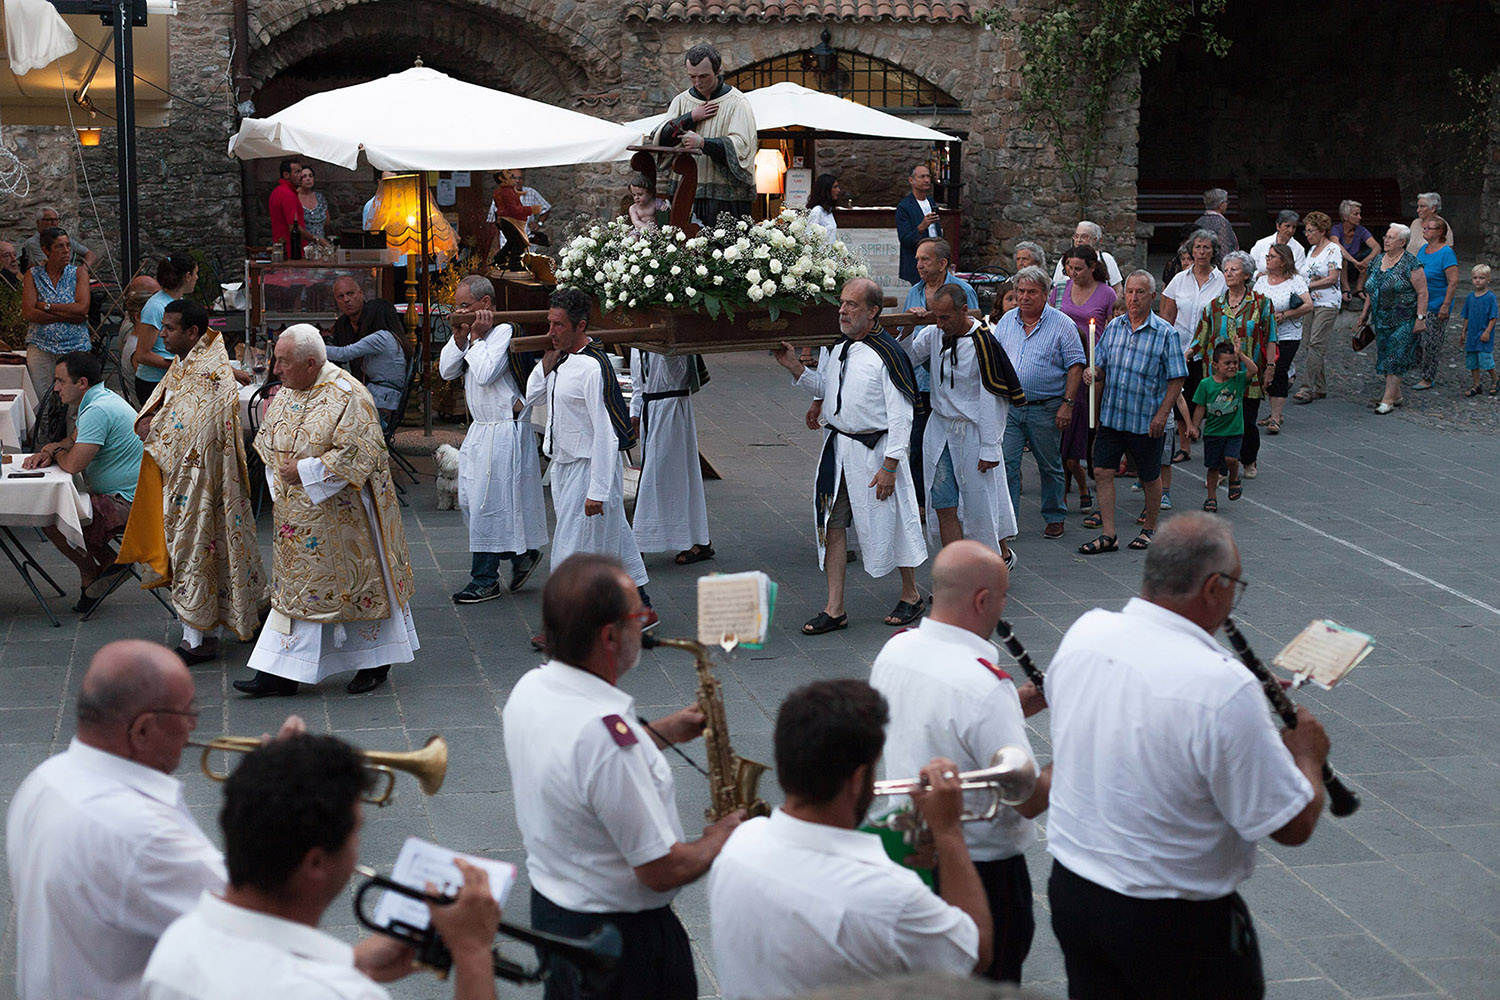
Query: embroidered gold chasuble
325	562
192	526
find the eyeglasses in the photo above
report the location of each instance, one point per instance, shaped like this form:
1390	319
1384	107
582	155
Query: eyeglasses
190	712
1240	583
641	617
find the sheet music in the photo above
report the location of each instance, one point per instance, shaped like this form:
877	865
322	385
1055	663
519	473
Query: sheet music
1324	653
735	609
422	861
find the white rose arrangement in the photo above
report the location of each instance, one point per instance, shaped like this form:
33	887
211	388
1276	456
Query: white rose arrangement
781	264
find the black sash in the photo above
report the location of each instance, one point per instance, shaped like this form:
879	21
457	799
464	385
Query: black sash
647	398
826	489
614	399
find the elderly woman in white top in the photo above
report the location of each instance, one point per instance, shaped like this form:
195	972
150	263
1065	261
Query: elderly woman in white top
1185	298
1286	225
1321	267
1292	300
1429	204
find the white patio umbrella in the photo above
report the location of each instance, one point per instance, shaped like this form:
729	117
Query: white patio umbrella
789	105
420	119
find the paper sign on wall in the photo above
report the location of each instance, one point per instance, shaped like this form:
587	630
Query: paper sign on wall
798	187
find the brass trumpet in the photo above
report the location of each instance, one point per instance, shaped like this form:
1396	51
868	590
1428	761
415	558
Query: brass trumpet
428	765
1010	779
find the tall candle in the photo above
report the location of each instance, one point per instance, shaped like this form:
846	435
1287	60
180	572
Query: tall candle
1093	400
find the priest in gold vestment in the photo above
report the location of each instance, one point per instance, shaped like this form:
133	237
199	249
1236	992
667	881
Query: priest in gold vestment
341	580
192	528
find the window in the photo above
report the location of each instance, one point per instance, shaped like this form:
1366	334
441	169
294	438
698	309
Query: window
861	78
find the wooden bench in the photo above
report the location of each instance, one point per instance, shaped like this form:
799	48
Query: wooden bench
1171	206
1379	198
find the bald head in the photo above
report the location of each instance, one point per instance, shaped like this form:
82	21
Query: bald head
969	581
137	702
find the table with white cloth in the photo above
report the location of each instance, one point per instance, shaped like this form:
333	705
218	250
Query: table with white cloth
16	419
49	500
18	376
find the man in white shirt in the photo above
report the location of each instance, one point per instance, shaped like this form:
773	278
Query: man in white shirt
864	480
671	512
499	478
1088	234
1167	769
103	852
594	796
949	698
291	822
802	899
587	428
973	387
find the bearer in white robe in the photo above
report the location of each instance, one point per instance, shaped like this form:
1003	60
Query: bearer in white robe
864	391
587	428
499	478
973	386
670	511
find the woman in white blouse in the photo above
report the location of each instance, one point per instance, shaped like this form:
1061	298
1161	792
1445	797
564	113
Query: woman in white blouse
1286	225
820	205
1320	267
1291	299
1183	301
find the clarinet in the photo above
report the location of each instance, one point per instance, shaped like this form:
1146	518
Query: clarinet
1018	653
1341	801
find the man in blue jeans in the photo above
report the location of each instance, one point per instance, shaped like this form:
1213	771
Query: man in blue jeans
1043	346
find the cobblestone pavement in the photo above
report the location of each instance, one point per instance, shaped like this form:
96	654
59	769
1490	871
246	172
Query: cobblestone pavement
1370	521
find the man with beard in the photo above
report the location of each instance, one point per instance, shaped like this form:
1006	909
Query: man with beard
801	900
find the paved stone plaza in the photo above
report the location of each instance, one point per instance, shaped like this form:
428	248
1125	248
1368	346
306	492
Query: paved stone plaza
1379	523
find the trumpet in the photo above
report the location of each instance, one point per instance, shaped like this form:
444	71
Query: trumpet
428	765
595	955
1010	779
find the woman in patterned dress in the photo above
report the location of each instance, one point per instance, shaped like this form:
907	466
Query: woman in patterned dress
55	302
314	205
1396	308
1244	314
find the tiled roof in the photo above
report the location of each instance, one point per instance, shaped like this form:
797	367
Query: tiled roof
796	10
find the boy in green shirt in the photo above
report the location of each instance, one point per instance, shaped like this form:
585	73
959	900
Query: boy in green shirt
1220	401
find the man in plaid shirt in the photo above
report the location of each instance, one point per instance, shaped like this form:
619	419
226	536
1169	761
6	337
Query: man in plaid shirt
1139	361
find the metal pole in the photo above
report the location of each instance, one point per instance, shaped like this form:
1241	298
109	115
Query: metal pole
130	241
426	353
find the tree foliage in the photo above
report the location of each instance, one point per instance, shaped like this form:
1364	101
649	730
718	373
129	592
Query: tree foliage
1077	55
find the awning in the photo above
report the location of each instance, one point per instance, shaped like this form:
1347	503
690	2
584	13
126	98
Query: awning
41	96
421	119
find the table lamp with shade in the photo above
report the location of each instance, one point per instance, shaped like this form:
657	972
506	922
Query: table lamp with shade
406	212
770	168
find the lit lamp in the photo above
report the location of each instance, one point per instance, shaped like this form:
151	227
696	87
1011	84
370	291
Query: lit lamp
770	168
408	215
89	136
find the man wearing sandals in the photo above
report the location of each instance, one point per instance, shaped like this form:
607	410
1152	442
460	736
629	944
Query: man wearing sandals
864	393
1139	361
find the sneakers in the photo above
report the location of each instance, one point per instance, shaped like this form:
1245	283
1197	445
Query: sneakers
476	594
1010	559
1166	499
1249	471
522	566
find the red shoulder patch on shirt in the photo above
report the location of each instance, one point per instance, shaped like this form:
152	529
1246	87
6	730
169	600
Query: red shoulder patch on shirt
621	733
986	664
900	630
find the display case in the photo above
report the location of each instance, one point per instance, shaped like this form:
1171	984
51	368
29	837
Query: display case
301	291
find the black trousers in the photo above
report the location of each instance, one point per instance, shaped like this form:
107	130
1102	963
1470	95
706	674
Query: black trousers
914	450
1250	443
1007	888
1121	948
656	961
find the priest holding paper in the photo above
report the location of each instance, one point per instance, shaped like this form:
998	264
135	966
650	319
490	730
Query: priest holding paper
341	577
192	526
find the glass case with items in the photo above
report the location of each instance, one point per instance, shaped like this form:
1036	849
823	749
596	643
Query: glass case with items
301	291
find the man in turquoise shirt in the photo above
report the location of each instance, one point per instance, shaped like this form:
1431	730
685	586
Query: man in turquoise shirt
104	447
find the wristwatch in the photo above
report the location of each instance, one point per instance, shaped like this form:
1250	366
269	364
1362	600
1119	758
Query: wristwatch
1068	400
46	306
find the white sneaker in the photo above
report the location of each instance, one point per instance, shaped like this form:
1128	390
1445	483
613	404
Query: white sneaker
1249	471
1010	558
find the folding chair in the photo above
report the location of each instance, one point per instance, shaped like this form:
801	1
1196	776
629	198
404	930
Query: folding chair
253	464
121	578
393	423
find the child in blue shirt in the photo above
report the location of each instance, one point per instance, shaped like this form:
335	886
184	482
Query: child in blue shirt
1479	313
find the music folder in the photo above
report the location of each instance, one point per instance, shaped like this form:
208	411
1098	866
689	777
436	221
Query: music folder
422	861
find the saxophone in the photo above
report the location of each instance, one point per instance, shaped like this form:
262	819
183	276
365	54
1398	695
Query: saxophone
733	780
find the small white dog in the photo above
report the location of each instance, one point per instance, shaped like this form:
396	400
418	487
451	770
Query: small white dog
446	459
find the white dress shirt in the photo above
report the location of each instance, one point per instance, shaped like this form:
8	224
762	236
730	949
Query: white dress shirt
1166	766
869	400
578	424
489	389
1263	246
958	392
946	703
220	951
1192	299
590	810
1111	266
797	906
103	856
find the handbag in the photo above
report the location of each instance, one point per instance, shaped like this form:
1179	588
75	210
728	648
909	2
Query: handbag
1294	302
1363	336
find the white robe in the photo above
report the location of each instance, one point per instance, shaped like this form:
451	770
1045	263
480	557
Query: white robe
671	514
307	652
499	478
586	464
969	421
890	530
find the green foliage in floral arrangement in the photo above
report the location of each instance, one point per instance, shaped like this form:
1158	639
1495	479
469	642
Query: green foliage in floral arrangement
780	265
